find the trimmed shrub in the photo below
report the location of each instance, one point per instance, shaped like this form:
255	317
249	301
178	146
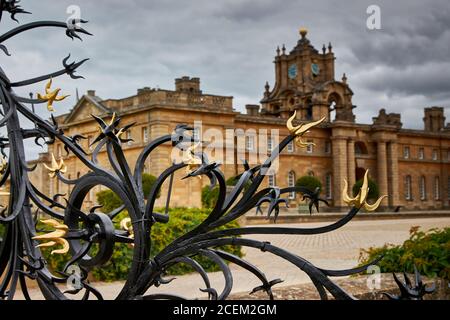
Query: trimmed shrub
428	251
181	221
309	182
110	201
373	189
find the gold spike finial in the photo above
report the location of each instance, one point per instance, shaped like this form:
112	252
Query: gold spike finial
301	129
51	96
360	201
126	225
56	167
55	237
191	160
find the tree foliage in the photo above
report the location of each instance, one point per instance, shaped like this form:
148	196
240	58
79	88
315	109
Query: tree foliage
373	189
309	182
109	200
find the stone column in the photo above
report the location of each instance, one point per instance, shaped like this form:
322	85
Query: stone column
351	162
393	174
382	170
339	169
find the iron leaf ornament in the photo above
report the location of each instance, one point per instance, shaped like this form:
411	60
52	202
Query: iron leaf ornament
76	230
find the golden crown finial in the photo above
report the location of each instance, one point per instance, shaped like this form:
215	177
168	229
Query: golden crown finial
360	201
303	32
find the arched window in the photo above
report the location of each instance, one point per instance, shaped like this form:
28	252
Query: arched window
422	188
408	193
360	148
334	103
328	189
291	183
437	191
309	109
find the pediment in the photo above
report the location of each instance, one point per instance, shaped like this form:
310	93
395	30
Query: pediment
84	108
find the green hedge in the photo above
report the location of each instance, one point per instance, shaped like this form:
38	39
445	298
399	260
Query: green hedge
429	251
181	221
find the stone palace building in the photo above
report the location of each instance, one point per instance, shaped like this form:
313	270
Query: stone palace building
410	166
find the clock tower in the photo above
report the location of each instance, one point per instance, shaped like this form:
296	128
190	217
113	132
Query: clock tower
304	81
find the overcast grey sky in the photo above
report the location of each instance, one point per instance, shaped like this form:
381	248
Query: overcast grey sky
230	45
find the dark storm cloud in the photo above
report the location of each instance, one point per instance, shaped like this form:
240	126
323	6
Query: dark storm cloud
231	44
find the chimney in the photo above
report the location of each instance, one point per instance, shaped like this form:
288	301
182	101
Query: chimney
91	93
252	109
434	119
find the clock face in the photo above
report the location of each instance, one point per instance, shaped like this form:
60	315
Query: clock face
315	69
292	71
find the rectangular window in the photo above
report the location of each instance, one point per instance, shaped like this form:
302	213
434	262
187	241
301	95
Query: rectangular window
437	192
406	152
408	194
421	154
269	144
272	182
249	143
309	148
145	134
58	151
448	188
196	134
328	186
435	155
290	147
291	183
422	188
129	142
327	147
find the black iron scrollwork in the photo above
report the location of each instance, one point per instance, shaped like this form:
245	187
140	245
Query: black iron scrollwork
78	231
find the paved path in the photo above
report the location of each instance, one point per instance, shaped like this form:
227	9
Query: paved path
335	250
